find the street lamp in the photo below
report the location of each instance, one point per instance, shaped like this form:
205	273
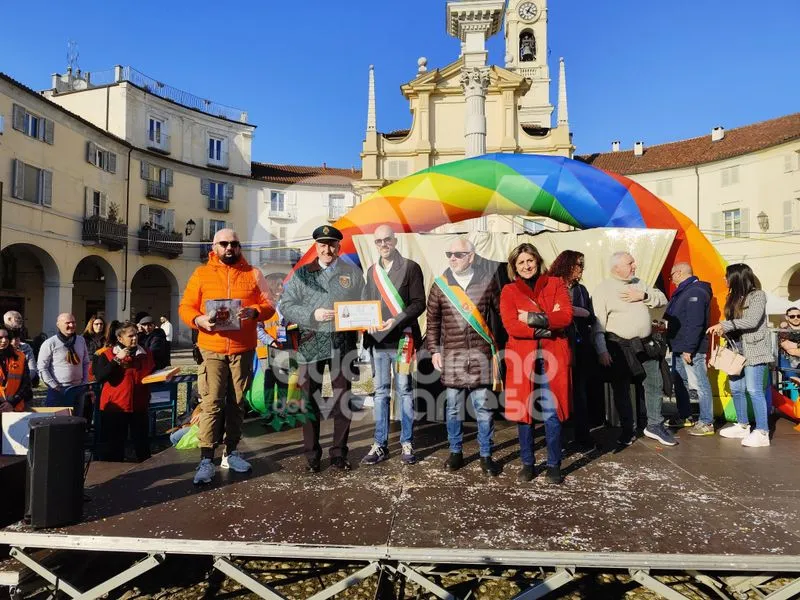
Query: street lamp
763	221
190	224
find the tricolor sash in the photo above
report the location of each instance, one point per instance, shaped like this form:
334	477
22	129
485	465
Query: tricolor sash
391	297
470	313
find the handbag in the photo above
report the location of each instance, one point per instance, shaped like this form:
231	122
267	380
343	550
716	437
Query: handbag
726	358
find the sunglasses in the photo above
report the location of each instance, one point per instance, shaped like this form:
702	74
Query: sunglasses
384	241
457	254
232	244
796	316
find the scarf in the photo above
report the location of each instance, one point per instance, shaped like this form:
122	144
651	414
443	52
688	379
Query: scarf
69	344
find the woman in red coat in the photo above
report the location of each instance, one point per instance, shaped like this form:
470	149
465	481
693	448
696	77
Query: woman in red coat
536	309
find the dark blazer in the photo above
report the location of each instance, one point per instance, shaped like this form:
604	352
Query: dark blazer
406	275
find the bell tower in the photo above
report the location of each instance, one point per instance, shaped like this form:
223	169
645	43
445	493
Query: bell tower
526	55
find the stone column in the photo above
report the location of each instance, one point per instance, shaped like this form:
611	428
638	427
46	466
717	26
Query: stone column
475	81
57	300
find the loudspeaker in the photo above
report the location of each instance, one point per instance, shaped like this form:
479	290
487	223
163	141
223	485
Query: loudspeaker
54	490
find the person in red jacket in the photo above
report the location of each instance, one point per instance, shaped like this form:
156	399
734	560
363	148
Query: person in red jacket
536	309
227	351
124	399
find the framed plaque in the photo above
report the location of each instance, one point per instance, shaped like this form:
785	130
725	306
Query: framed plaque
357	315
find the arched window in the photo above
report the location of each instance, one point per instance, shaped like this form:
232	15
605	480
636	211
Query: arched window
527	46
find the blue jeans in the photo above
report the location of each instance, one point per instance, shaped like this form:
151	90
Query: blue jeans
385	365
750	381
176	435
479	397
552	434
694	377
55	398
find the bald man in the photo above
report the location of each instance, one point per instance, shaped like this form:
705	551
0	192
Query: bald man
398	284
227	350
63	360
687	316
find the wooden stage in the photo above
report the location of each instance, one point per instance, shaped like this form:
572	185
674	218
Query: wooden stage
707	505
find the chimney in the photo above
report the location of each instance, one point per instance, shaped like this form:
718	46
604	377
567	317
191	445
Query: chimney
615	146
638	148
717	134
118	73
324	165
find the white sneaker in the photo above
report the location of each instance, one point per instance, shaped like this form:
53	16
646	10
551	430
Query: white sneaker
204	472
756	439
235	462
737	430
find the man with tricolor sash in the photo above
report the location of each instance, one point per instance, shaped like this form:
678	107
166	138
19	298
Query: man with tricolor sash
462	346
399	284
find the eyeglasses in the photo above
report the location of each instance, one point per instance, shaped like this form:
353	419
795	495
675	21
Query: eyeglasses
232	244
384	241
793	316
457	254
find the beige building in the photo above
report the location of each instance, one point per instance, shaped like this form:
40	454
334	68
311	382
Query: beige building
740	186
111	191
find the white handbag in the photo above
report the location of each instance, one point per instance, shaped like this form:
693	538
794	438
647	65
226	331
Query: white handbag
726	358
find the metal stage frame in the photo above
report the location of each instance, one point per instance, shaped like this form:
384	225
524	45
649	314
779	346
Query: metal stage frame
722	564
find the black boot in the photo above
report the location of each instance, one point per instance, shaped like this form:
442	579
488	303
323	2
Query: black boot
526	473
554	474
454	462
490	467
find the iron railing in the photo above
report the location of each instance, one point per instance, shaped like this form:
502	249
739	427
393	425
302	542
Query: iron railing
157	190
284	256
160	142
102	231
160	242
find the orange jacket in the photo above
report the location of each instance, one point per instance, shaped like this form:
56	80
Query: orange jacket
215	281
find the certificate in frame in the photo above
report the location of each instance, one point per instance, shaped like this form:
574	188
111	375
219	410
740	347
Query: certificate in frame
357	315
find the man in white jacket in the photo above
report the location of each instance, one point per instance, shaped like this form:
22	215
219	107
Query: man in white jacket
622	304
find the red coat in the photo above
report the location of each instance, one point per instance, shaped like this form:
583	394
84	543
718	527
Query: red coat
123	390
521	349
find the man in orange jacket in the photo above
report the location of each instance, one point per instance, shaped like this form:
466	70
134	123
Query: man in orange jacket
227	350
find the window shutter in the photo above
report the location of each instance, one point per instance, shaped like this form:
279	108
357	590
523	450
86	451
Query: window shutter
205	229
788	221
717	226
91	152
47	188
744	220
49	131
144	215
168	180
18	118
228	191
88	207
204	185
2	124
291	203
144	170
170	220
18	189
326	201
349	200
111	163
104	206
230	225
788	163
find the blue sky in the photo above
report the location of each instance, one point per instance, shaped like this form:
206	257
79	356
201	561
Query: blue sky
636	70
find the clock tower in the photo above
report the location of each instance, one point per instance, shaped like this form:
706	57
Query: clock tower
526	55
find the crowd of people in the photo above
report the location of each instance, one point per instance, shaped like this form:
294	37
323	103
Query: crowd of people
529	340
523	337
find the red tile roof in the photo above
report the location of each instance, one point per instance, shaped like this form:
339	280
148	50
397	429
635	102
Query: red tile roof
699	150
290	174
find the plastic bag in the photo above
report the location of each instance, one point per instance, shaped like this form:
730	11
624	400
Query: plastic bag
190	439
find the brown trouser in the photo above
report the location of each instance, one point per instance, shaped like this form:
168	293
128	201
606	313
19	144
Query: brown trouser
338	407
221	381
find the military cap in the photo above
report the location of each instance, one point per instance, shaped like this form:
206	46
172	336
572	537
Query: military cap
327	233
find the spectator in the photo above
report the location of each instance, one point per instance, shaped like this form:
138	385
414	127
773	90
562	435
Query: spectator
687	315
228	354
15	382
95	334
622	304
746	326
166	326
536	310
63	360
154	340
124	399
111	338
14	325
13	321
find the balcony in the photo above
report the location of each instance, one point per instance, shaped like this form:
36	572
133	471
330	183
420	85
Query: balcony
218	163
104	232
160	242
282	256
159	142
157	190
283	215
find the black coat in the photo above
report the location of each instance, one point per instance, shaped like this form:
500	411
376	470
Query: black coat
406	275
156	342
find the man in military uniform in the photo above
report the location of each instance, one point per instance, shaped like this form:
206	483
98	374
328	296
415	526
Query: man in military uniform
308	301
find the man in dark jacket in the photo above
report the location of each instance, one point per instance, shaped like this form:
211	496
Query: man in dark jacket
460	306
399	285
687	315
308	301
154	339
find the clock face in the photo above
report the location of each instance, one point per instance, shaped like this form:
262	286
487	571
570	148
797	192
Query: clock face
527	11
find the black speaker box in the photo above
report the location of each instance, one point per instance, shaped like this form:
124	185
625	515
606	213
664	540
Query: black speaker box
54	490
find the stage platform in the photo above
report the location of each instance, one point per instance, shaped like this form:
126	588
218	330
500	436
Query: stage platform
707	505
